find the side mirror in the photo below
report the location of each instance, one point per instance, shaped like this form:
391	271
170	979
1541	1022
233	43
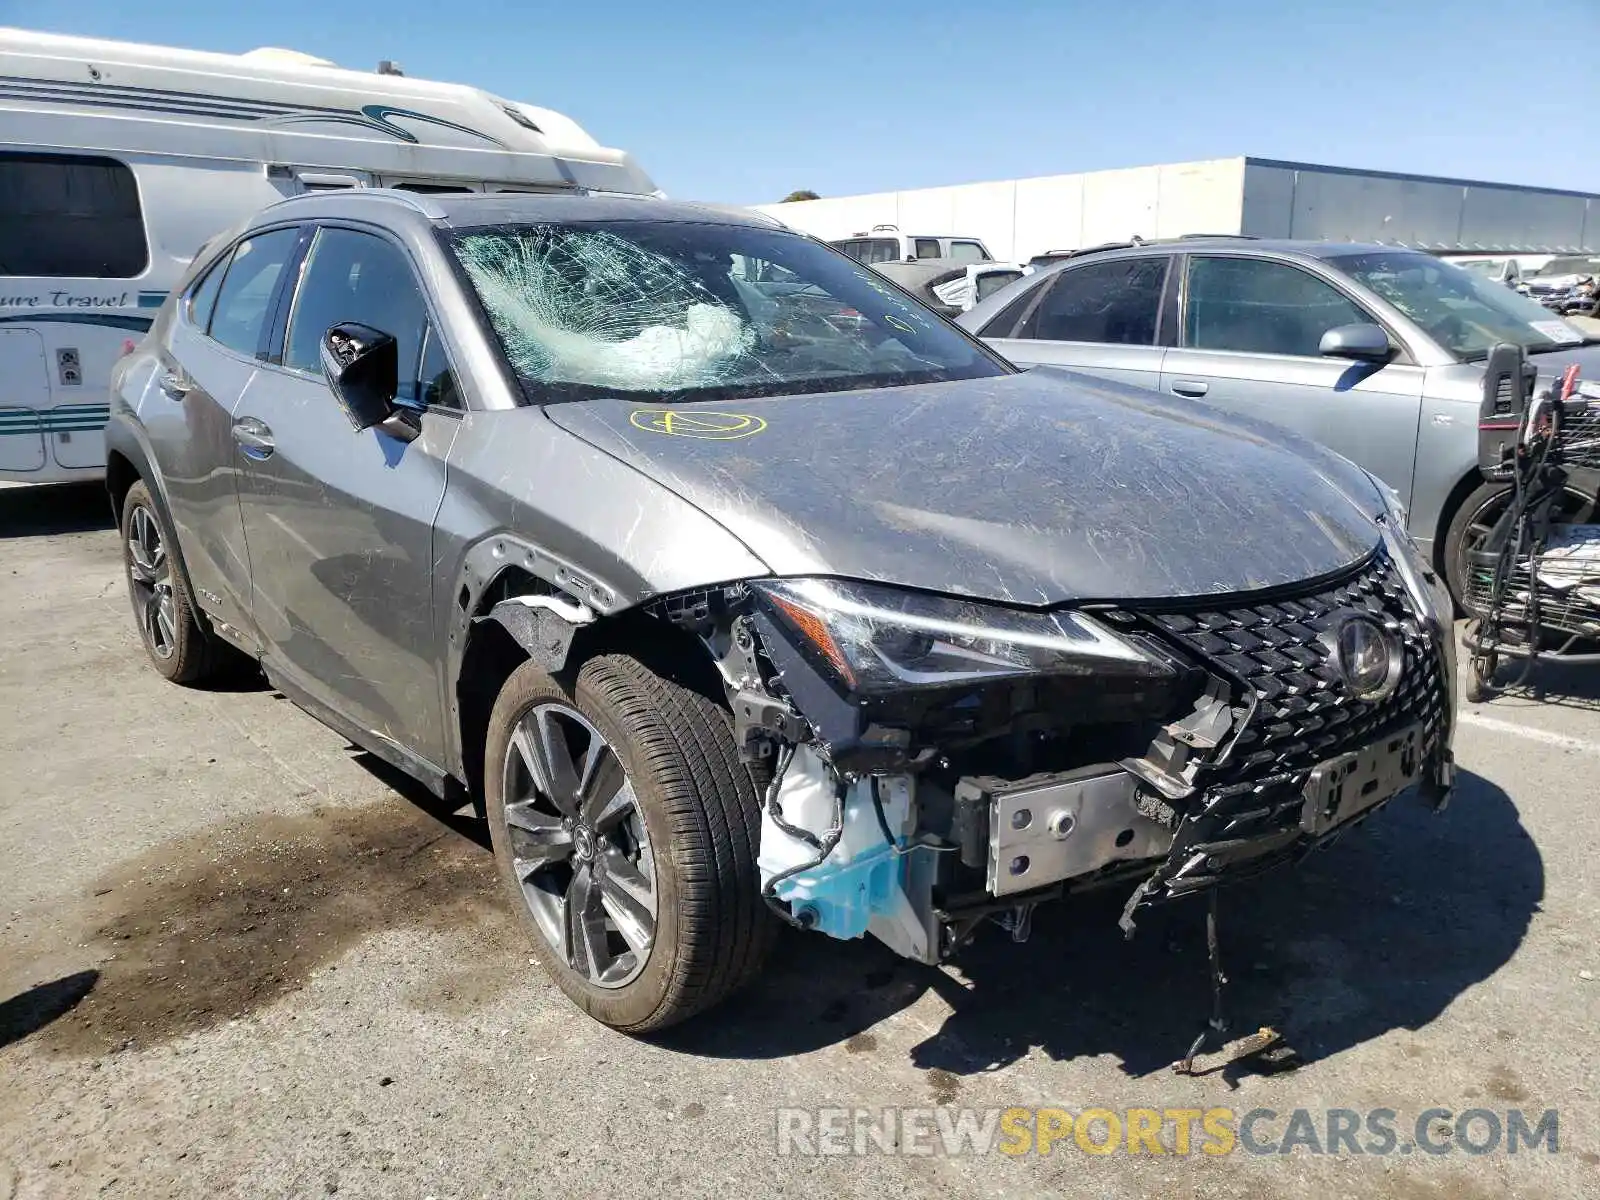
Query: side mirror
1368	343
362	365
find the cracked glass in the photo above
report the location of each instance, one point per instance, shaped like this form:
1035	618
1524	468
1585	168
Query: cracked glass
699	310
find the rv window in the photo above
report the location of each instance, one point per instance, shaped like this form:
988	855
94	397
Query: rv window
70	216
433	189
247	290
352	276
929	248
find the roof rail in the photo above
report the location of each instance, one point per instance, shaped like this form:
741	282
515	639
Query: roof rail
413	200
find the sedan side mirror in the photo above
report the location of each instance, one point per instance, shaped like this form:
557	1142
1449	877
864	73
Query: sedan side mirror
363	369
1363	341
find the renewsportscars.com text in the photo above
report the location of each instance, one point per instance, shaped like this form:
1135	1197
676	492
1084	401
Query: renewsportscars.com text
953	1132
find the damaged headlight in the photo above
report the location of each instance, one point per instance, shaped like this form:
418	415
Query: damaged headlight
879	639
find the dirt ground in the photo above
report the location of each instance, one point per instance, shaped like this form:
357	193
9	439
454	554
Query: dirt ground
238	958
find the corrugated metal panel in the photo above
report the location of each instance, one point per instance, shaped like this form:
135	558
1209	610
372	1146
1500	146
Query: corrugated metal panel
1336	204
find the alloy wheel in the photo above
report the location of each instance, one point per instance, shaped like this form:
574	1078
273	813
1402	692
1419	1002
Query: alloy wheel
579	845
150	576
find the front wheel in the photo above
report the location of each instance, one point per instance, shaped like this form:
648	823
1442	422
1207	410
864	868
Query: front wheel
1470	528
625	831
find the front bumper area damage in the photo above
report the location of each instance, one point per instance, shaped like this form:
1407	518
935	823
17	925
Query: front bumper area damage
1197	744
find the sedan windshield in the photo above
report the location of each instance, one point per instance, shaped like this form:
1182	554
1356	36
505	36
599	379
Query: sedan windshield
700	310
1463	312
1569	266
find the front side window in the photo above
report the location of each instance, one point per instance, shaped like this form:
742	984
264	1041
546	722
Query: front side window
351	276
70	216
968	252
245	297
1115	301
691	310
1256	306
1466	315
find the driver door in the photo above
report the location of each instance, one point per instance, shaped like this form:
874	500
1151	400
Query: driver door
339	522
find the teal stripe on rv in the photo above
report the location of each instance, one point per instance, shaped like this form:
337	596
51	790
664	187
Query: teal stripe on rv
76	418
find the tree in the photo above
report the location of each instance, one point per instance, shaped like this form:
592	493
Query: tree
803	194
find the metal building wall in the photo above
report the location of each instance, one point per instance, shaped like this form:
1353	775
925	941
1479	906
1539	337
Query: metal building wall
1302	200
1263	197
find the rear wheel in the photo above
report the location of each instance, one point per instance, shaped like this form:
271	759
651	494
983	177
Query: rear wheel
1470	527
625	830
173	639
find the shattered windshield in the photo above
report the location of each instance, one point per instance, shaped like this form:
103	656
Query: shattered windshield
699	310
1463	312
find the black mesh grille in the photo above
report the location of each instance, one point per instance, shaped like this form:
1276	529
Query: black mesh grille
1304	713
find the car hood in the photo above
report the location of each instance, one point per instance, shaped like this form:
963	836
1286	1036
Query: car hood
1035	488
1553	362
1557	281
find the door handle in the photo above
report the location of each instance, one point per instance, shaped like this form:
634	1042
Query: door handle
172	387
1190	387
254	438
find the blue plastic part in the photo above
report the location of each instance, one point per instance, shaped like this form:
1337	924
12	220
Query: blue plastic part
840	900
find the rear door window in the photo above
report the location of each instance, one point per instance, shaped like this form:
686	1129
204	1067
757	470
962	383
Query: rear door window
1257	306
244	300
1116	301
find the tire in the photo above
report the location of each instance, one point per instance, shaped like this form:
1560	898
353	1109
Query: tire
173	639
1482	507
699	809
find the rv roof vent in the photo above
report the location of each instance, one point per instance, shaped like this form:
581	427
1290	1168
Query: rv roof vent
388	66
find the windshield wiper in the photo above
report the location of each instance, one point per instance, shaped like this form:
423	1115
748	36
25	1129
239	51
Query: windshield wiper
1587	341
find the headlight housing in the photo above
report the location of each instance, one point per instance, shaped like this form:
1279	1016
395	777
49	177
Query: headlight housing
878	639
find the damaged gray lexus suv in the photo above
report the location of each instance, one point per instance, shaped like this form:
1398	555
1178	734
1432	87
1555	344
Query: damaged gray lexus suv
742	589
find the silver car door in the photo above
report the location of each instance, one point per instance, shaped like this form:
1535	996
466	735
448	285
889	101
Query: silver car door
1099	317
1249	337
207	361
339	522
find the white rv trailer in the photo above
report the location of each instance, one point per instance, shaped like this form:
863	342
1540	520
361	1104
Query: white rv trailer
120	160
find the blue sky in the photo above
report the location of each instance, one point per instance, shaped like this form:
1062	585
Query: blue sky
743	102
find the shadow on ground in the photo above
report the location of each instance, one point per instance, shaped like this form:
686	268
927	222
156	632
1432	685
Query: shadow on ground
43	1003
1380	931
45	509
